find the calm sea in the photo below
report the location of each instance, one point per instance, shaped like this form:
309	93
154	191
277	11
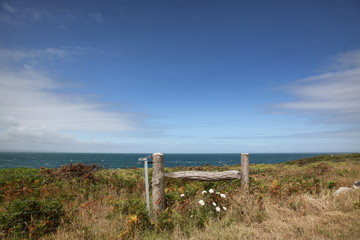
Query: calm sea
124	160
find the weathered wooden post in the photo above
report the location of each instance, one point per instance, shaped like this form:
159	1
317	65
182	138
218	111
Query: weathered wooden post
245	172
158	198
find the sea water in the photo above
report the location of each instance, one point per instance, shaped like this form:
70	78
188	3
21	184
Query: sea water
130	160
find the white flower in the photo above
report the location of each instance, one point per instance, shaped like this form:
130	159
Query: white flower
204	192
217	209
201	202
217	193
222	195
214	204
224	208
211	190
182	195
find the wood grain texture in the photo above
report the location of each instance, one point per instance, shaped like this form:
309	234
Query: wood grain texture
205	176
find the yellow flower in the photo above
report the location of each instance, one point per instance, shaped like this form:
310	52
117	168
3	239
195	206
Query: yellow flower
133	218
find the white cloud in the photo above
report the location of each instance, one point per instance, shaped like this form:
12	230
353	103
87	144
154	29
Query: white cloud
333	95
25	97
7	7
11	55
25	13
33	112
347	60
15	15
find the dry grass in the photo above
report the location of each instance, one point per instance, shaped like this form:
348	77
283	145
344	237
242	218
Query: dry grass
286	201
284	204
90	223
318	217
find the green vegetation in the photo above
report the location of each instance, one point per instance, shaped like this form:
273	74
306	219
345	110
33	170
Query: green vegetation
290	200
31	217
328	158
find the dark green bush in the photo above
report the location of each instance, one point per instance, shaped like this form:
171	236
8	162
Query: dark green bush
19	183
134	206
31	218
171	198
331	184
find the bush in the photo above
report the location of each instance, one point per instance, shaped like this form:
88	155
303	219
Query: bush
137	217
31	218
77	170
331	184
19	183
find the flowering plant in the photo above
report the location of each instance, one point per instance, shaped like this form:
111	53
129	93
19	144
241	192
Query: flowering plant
214	199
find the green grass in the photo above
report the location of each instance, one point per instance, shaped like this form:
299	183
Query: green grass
289	200
328	158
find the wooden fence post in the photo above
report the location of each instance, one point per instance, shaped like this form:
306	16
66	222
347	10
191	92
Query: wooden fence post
158	198
245	172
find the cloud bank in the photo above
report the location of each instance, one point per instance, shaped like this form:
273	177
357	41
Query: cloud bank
21	14
15	15
34	111
17	56
333	96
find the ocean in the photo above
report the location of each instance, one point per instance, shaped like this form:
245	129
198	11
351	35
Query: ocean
131	160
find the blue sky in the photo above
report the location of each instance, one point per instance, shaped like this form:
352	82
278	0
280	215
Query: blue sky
180	76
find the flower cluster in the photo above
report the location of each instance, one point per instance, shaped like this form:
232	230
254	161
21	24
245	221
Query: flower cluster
213	196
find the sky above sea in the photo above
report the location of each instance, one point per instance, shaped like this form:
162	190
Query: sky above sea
180	76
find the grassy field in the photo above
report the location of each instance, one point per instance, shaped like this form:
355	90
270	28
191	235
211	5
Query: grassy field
290	200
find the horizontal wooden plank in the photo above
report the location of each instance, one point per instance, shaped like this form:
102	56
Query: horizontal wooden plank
205	176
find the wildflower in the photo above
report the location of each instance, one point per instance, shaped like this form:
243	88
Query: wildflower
222	195
201	202
275	182
211	190
214	204
224	208
182	195
133	218
204	192
217	209
217	193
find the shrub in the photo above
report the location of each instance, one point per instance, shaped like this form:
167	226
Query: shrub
77	170
331	184
137	216
19	183
171	198
166	221
31	218
211	204
321	168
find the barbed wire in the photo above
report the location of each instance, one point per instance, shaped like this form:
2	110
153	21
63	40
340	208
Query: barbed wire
25	188
170	161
